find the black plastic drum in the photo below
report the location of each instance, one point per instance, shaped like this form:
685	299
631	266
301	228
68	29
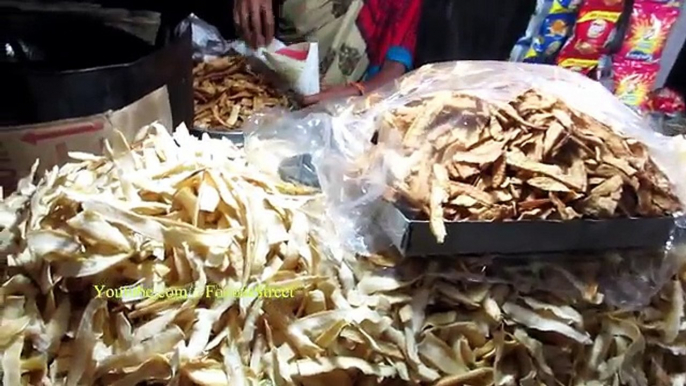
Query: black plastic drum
56	66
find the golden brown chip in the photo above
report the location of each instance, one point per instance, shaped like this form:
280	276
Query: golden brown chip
226	93
457	188
520	161
485	153
548	184
439	195
531	158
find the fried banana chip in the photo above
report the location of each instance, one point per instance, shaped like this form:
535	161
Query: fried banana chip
534	154
227	92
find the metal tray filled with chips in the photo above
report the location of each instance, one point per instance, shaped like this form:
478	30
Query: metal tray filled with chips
228	90
413	237
532	175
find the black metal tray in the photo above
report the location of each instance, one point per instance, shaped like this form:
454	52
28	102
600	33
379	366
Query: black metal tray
414	238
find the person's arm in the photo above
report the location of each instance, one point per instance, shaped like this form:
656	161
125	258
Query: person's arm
400	40
390	71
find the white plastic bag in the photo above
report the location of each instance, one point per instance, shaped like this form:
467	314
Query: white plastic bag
298	64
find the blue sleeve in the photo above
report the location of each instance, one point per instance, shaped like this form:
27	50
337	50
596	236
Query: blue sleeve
400	55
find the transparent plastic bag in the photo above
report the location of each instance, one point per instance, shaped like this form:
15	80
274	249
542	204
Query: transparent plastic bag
207	40
356	174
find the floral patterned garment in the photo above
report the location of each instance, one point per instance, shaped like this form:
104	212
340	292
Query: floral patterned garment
356	36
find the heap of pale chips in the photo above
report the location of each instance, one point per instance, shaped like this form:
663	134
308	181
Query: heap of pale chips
227	92
180	214
532	158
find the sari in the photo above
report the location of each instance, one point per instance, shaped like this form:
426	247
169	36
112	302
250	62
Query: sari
355	37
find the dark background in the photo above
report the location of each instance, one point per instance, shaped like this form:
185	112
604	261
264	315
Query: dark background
677	77
471	30
449	29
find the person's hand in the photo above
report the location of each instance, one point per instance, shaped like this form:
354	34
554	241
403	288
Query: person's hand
255	21
330	93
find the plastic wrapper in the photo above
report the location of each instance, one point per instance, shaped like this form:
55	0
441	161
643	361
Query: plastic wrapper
554	30
591	34
355	173
549	27
594	29
298	64
649	29
207	40
522	46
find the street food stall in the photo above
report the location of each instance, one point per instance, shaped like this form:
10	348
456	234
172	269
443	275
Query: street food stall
472	223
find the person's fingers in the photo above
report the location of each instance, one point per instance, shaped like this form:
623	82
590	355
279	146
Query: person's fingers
256	24
237	14
244	20
268	20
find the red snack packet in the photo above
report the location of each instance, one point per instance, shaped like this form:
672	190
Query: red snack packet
605	5
591	34
649	28
634	81
666	101
594	27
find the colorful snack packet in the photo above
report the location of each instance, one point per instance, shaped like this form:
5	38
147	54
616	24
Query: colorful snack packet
554	31
649	28
524	43
634	81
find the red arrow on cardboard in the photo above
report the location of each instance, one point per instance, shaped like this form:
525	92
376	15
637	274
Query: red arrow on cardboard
33	137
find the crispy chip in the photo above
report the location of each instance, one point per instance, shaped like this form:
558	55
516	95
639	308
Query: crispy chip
227	92
193	221
536	156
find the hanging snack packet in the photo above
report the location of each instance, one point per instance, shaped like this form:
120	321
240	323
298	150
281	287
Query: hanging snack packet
592	33
522	46
649	28
554	31
634	81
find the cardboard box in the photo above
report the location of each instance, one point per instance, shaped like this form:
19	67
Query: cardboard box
50	142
